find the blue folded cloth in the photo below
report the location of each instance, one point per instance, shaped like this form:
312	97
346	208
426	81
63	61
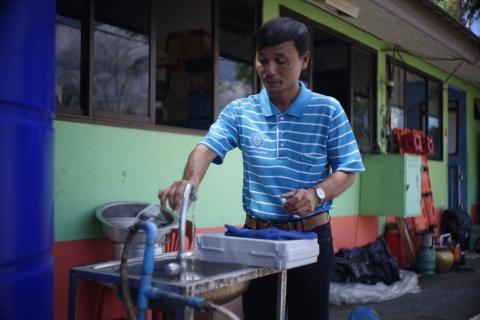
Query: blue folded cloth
271	234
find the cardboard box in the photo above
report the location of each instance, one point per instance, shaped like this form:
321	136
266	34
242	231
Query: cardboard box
178	85
176	112
200	81
176	103
183	45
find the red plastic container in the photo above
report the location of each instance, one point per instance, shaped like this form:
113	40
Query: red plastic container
396	248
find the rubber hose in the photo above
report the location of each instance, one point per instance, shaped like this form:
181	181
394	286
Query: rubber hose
127	299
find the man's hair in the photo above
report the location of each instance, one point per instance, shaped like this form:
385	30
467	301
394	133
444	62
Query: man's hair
281	29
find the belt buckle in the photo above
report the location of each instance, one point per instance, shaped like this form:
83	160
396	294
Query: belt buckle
281	225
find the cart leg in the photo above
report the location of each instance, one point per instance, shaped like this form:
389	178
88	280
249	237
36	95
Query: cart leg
72	296
281	294
183	313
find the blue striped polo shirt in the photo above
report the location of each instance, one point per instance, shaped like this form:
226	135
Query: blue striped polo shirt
284	151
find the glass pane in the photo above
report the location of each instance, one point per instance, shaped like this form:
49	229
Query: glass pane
433	98
361	102
415	101
361	122
184	64
434	131
236	63
331	68
67	51
121	58
397	115
397	118
235	81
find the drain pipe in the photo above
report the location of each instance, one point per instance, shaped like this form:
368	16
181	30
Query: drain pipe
146	291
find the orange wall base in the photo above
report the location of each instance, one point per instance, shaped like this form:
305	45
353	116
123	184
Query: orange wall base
95	301
70	254
353	231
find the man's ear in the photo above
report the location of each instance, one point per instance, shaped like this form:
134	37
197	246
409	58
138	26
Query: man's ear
305	59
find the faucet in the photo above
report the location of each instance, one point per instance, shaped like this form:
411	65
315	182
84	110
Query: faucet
188	194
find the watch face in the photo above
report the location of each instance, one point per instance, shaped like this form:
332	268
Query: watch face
321	193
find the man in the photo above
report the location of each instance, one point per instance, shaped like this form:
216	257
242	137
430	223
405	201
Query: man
299	152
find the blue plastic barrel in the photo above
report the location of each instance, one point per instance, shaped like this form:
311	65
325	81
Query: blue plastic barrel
27	109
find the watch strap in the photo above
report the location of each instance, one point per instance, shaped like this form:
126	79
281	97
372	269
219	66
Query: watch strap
319	200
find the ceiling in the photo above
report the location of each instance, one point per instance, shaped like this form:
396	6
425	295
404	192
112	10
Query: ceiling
419	28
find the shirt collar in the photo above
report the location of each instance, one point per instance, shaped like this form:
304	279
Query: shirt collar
296	109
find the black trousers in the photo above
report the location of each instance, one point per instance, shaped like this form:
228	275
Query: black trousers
308	287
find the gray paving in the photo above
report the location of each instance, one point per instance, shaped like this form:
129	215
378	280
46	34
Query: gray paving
444	296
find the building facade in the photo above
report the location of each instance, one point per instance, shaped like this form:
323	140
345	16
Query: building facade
139	82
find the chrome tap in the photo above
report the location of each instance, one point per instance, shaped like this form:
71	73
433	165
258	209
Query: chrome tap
188	194
180	267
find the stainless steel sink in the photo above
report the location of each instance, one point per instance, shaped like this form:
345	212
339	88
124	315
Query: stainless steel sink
217	282
197	271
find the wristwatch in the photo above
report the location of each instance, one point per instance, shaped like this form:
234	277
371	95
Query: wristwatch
320	193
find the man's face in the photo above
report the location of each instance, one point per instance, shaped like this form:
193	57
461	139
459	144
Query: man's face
279	66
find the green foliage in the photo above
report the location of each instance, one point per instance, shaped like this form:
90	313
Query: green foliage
465	11
244	73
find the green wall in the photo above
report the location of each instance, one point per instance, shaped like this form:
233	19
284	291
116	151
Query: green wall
96	164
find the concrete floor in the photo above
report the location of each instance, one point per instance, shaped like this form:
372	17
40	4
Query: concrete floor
444	296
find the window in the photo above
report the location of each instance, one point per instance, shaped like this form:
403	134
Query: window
196	87
108	70
342	68
103	59
236	63
362	123
416	103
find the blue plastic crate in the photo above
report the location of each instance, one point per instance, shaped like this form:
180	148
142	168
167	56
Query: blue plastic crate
199	105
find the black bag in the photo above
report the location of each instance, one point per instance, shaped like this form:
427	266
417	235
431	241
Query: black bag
458	223
368	264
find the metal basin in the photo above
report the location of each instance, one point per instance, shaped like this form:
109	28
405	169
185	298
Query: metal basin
116	217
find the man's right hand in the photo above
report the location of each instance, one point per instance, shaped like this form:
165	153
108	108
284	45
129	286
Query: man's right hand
197	165
173	194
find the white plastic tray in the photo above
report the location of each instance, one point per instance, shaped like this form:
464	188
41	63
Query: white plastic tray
279	254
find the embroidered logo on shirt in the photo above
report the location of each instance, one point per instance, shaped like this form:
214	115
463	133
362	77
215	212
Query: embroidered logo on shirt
257	139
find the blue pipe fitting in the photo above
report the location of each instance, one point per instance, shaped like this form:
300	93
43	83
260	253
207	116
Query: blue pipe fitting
147	268
192	302
146	291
